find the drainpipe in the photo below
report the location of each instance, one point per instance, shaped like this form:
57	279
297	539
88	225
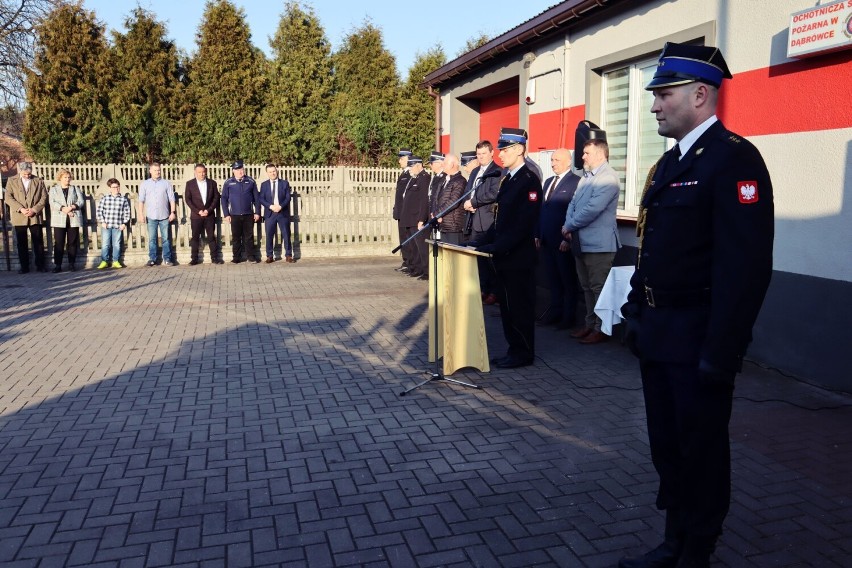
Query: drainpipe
437	96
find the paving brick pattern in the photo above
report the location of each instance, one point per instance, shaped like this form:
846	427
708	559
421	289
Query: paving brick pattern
249	416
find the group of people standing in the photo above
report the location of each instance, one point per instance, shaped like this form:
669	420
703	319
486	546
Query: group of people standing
241	202
502	210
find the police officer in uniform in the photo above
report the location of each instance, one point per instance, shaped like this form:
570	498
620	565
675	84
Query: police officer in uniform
511	242
413	214
401	183
705	259
241	208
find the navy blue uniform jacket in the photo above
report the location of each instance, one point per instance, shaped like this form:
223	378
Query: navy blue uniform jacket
710	225
511	238
240	197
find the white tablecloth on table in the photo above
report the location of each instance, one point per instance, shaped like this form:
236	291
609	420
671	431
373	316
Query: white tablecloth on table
613	296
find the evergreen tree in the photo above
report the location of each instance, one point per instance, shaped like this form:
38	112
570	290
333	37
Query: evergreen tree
474	42
146	97
300	83
366	87
227	86
416	108
67	115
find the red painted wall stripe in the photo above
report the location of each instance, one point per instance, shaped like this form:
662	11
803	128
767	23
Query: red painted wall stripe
445	143
800	96
554	129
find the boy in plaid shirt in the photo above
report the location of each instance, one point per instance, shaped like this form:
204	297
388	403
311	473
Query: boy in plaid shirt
113	213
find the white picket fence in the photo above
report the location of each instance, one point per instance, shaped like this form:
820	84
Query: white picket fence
336	211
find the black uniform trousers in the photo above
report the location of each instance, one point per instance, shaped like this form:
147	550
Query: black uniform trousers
562	279
688	433
516	293
242	237
414	253
404	251
204	227
66	237
24	248
486	268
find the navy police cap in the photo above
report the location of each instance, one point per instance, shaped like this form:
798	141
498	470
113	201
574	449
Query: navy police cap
237	165
403	152
436	156
680	64
510	137
467	157
414	160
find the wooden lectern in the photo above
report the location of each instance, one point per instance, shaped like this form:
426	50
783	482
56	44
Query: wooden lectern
461	325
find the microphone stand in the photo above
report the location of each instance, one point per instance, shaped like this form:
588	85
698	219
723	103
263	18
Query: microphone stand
437	375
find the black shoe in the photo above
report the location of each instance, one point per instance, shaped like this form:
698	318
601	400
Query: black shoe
514	363
193	262
415	274
57	269
42	269
23	270
72	268
423	277
255	261
497	360
218	262
664	556
236	261
401	268
151	263
565	324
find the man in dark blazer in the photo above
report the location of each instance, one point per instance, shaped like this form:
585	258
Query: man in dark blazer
275	197
511	242
436	164
555	250
401	184
452	223
706	229
415	212
484	181
202	197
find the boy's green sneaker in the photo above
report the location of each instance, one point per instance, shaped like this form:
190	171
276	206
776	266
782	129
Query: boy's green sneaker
103	264
116	264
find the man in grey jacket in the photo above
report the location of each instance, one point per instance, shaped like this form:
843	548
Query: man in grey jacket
591	229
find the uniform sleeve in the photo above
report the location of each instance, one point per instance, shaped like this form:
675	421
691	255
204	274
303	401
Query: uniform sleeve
226	194
521	216
743	234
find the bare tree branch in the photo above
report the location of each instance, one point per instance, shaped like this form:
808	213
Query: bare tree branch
18	21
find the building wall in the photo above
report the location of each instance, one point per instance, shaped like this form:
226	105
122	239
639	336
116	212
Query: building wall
796	112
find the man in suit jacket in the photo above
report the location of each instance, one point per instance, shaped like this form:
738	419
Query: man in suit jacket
436	164
511	242
202	197
590	224
275	197
706	229
555	250
452	223
484	180
415	212
26	196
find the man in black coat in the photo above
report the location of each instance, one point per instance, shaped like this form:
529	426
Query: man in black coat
202	197
511	242
706	227
401	184
452	223
414	213
555	250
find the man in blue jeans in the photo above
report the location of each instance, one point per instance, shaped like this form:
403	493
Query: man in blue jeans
113	214
157	208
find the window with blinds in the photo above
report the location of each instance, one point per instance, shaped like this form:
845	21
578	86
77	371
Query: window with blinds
631	130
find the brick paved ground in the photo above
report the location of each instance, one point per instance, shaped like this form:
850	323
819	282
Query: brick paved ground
249	416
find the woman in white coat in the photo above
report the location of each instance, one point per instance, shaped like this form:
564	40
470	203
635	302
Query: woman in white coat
66	204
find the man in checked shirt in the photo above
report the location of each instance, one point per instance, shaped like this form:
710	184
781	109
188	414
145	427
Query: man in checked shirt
113	213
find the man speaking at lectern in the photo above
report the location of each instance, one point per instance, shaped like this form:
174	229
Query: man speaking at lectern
511	242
